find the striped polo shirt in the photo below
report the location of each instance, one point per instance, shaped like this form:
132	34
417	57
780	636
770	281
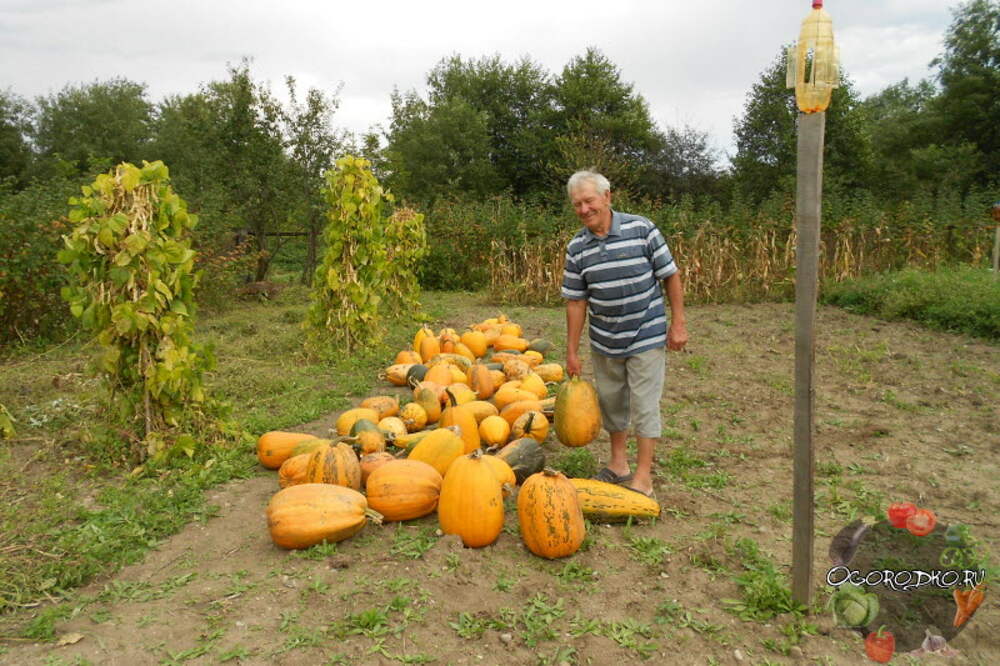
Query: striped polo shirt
619	276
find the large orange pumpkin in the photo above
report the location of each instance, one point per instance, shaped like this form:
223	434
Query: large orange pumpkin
275	447
304	515
372	461
550	516
471	503
404	489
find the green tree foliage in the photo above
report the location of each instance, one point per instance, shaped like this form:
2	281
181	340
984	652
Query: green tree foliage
132	284
594	105
766	137
104	122
31	223
488	126
514	99
311	143
437	149
15	128
369	268
969	74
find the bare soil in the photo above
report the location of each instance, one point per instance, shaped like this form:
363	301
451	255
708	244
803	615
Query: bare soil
902	413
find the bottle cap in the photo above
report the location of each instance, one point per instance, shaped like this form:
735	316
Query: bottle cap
817	4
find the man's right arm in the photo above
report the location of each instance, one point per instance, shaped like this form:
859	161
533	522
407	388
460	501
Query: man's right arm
576	313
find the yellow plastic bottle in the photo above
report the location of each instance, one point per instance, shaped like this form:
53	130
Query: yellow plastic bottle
816	61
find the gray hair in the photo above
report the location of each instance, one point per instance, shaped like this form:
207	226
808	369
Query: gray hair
600	183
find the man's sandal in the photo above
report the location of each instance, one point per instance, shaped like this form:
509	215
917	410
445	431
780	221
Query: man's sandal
651	494
608	476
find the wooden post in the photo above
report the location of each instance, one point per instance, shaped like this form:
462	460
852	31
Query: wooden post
996	241
809	194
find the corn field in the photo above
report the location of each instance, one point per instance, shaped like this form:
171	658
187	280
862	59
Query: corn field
728	265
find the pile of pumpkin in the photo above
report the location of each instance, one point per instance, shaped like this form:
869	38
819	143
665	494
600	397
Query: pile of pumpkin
472	433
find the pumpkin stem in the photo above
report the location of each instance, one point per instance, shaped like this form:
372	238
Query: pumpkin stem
374	516
548	471
454	403
476	454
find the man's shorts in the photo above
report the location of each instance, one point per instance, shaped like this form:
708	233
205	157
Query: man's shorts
631	386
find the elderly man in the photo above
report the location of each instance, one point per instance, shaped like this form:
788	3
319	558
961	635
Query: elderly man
614	266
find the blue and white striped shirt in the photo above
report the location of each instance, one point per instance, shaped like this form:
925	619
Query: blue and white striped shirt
619	276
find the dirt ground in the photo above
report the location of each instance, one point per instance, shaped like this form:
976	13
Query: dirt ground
902	413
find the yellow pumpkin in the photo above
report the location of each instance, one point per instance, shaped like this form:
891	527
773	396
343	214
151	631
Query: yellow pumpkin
347	420
475	341
429	348
511	392
462	393
512	412
439	449
463	350
550	372
440	374
471	503
513	330
414	416
392	426
505	475
531	424
418	339
494	431
481	409
532	382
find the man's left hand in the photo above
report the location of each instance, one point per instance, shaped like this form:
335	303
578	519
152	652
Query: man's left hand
677	336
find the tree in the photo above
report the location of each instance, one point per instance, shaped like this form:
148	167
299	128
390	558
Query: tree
438	149
15	127
98	124
900	119
969	73
684	164
312	143
593	103
766	137
514	99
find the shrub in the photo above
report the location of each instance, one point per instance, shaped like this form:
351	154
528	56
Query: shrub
961	299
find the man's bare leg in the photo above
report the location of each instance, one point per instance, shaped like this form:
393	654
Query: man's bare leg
643	479
619	455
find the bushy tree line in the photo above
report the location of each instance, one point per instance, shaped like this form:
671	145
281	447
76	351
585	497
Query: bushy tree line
251	166
938	136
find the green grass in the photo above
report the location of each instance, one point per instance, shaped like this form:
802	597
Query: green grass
959	299
67	492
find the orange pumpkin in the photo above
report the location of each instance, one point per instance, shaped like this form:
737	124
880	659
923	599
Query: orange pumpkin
385	405
457	415
548	510
304	515
578	413
531	424
275	447
439	449
408	356
293	470
471	503
336	464
404	489
372	461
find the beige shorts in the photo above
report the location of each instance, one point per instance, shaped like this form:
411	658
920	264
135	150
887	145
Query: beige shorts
629	390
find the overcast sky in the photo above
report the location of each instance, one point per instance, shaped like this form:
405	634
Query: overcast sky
693	61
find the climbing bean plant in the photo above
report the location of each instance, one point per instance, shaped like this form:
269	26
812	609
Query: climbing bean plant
368	272
132	284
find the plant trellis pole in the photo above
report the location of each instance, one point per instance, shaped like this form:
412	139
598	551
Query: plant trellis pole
813	72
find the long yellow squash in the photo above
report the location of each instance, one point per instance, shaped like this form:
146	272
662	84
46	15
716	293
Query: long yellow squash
611	503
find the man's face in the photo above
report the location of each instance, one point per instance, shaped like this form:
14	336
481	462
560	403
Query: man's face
593	209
